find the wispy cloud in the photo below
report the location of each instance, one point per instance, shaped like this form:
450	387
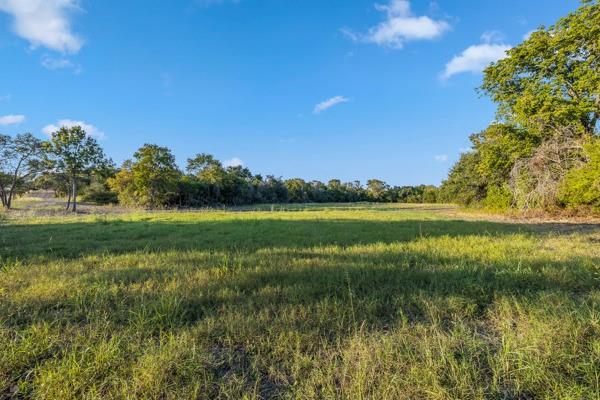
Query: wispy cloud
492	36
90	129
11	119
400	26
234	162
324	105
44	23
476	58
5	97
441	158
53	63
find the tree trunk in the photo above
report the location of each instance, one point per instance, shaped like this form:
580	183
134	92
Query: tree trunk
69	200
13	185
74	195
3	198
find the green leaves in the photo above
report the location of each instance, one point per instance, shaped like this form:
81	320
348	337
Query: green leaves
552	79
20	162
74	152
581	186
150	180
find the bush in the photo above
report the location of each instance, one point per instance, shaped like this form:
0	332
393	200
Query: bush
98	193
581	186
100	197
498	198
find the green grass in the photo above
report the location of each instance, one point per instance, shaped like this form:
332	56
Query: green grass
334	302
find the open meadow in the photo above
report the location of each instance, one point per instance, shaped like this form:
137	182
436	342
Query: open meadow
352	301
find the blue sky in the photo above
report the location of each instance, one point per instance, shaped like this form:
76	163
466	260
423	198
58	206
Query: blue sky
295	88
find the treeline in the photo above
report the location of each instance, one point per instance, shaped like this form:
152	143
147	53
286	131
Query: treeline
72	163
543	152
152	179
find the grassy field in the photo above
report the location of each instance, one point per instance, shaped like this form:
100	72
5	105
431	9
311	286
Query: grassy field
322	302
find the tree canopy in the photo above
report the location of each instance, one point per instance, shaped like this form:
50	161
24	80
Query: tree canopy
551	80
72	153
20	161
548	94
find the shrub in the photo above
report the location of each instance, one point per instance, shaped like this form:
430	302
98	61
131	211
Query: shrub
100	196
498	198
581	186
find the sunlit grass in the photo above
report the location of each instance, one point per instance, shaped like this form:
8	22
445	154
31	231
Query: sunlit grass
349	302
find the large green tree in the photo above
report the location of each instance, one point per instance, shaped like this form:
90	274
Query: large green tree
552	79
73	154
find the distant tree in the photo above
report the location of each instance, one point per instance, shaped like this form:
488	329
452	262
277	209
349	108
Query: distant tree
154	175
208	170
236	186
122	183
206	167
377	190
297	190
430	195
74	154
272	190
20	162
318	192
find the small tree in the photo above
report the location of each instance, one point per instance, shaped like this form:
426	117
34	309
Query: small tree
210	171
20	161
377	189
150	180
155	175
73	153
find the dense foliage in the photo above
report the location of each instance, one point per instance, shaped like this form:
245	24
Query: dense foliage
73	163
542	150
152	179
72	155
20	161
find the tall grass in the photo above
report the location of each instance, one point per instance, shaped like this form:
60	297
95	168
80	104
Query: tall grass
350	303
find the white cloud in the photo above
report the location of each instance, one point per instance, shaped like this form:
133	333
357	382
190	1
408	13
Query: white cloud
492	37
319	108
59	63
90	129
476	58
44	23
11	119
441	158
234	162
400	26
